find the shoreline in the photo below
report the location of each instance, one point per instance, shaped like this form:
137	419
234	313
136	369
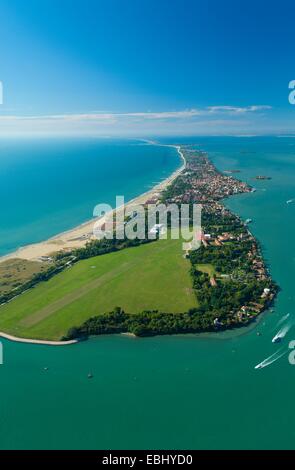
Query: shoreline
78	236
37	341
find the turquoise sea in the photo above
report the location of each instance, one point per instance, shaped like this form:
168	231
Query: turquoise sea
164	392
49	186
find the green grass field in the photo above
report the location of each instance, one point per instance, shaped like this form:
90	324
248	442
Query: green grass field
207	268
152	276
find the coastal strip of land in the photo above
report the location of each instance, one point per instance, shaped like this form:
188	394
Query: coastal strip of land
108	286
80	235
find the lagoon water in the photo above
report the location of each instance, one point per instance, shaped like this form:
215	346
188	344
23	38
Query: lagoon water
164	392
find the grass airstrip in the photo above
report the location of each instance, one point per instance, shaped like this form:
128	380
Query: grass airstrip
154	276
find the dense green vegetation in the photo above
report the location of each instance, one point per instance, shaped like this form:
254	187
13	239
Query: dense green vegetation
226	296
224	258
217	223
146	323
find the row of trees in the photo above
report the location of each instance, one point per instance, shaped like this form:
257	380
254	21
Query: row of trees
100	247
147	323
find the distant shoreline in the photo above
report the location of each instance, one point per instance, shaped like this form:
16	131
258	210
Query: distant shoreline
78	236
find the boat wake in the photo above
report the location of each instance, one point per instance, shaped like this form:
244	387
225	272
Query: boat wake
276	339
271	359
281	333
284	318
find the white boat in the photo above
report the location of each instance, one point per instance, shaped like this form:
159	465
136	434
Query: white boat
276	339
290	201
281	334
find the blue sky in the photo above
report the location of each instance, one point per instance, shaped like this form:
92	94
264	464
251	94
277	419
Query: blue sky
145	67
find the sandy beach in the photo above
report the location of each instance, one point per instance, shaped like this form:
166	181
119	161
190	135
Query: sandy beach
80	235
37	341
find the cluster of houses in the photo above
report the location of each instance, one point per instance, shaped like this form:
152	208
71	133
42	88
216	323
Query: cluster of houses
257	263
246	312
203	183
254	308
218	240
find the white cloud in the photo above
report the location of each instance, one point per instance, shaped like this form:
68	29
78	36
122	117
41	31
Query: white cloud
185	114
238	110
99	123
